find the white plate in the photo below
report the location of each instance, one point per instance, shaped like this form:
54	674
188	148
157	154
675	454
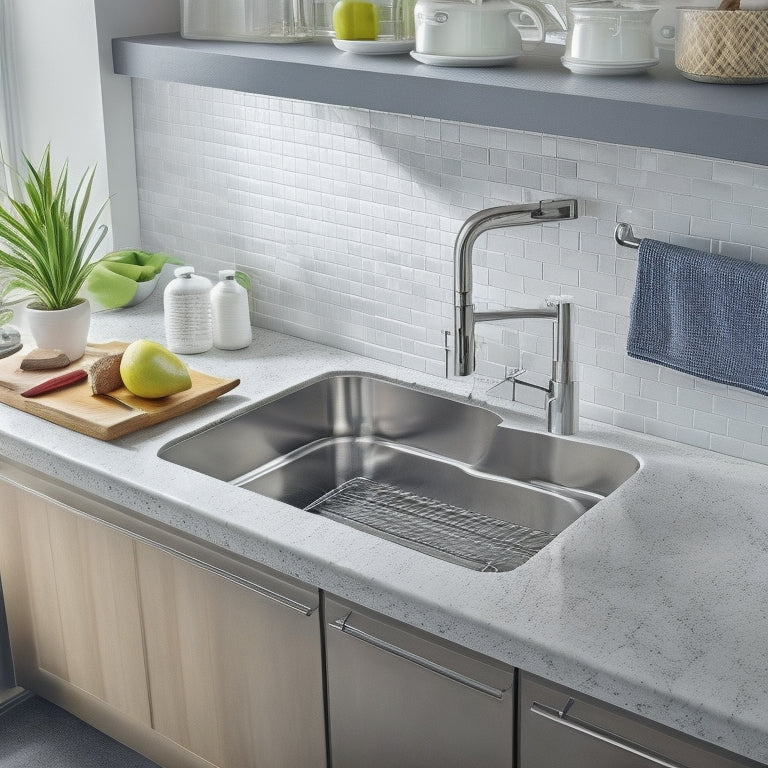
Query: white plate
464	61
374	47
581	67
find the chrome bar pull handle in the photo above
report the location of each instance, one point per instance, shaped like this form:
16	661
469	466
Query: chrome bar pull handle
563	718
343	625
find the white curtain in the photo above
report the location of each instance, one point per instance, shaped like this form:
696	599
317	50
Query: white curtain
9	125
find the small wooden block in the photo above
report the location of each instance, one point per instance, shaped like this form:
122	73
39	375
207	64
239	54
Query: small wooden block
44	360
104	375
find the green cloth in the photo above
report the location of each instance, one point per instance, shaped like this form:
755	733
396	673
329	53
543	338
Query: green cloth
114	280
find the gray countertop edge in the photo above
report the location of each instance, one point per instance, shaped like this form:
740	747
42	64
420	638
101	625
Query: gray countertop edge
659	109
654	601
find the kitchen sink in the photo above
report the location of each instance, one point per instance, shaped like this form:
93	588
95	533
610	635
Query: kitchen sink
435	474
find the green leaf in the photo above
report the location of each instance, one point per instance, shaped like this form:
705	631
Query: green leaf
244	280
47	246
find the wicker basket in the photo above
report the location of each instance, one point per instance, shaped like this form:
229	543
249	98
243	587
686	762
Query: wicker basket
722	46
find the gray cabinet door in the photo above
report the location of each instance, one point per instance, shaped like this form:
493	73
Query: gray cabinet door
560	728
397	697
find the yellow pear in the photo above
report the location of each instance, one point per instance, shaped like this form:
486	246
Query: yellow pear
149	370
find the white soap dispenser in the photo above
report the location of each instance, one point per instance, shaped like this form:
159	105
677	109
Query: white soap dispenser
231	318
187	309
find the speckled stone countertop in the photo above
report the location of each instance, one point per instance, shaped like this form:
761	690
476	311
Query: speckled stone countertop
656	600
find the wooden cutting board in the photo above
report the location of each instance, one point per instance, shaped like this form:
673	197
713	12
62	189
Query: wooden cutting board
76	408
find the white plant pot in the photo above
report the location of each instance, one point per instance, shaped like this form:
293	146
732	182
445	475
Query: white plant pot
64	329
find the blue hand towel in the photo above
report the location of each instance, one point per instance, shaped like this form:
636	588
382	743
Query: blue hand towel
702	314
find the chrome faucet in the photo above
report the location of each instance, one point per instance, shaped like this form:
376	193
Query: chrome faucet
562	401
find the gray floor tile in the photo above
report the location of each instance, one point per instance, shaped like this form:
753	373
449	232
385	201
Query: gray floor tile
38	734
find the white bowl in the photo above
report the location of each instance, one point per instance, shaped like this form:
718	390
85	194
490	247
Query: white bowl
143	291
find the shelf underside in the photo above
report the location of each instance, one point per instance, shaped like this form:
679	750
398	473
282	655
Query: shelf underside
659	109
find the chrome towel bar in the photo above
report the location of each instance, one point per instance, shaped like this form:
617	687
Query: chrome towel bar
625	236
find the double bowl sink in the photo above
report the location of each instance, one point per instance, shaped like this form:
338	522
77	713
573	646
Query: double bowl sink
435	474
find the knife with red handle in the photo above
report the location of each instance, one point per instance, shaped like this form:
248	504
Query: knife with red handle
57	382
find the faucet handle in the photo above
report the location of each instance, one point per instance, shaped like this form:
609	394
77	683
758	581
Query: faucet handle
506	389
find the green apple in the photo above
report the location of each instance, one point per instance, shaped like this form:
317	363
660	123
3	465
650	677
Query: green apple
355	20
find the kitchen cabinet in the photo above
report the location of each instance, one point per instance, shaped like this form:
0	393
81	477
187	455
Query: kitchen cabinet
196	657
72	603
180	651
399	697
559	727
234	669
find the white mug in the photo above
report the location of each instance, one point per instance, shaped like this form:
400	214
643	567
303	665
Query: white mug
449	28
610	34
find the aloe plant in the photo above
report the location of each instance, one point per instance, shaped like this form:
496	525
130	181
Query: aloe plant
6	315
46	247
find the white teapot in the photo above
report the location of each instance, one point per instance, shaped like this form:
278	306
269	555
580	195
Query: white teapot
452	28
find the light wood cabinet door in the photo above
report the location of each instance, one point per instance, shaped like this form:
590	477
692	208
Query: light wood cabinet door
72	602
235	675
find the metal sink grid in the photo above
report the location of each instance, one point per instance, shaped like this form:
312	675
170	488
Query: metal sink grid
467	538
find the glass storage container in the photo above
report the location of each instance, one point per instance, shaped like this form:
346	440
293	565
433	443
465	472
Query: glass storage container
258	21
395	18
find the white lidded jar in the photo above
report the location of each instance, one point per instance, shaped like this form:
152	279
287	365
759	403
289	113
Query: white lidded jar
231	319
187	308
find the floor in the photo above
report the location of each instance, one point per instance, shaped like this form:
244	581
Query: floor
38	734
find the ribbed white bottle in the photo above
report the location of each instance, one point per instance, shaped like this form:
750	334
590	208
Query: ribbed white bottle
231	319
187	310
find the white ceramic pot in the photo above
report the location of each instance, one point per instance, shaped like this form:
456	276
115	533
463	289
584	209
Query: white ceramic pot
64	329
610	34
450	28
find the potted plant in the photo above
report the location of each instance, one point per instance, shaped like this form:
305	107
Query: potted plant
10	338
46	252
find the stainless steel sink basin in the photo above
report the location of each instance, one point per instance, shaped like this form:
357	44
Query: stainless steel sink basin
427	471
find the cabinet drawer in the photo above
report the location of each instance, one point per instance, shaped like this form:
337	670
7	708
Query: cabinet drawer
397	697
559	727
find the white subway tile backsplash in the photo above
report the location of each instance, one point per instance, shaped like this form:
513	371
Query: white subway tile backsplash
346	220
652	199
609	397
629	421
661	429
751	195
693	437
686	165
757	414
757	236
714	230
708	422
749	433
692	206
674	223
676	414
728	445
757	453
655	390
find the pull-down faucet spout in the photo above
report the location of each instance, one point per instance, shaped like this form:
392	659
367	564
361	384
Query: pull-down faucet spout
562	410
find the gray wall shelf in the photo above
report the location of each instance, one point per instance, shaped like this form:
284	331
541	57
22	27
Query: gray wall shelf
659	109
